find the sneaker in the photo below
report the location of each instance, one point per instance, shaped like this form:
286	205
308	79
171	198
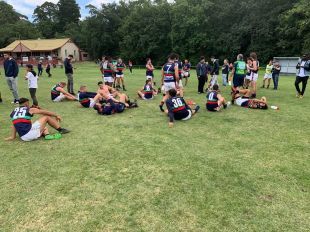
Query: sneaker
49	137
197	109
64	131
297	95
267	86
57	136
227	105
0	100
263	87
161	108
301	97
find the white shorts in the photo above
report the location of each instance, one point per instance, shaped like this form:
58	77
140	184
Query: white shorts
268	76
59	98
92	103
149	77
240	100
249	77
185	74
108	79
168	86
254	77
189	115
34	132
119	76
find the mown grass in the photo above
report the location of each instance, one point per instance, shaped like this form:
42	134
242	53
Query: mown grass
237	170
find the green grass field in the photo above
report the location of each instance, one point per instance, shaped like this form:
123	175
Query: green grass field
236	170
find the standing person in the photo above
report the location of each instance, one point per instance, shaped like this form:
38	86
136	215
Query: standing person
48	69
130	66
214	71
202	72
254	73
275	74
69	73
239	70
268	74
40	68
230	76
169	77
28	131
120	67
11	73
248	75
180	83
149	70
303	71
225	72
186	70
32	78
107	70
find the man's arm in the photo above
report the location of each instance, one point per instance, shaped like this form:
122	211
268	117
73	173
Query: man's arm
13	134
44	112
162	76
64	92
16	70
176	74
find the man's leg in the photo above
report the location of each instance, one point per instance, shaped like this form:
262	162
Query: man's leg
52	122
33	96
297	82
304	85
245	92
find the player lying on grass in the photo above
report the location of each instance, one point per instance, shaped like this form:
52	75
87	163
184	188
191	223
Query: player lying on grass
110	107
58	93
242	98
147	92
215	101
177	109
21	119
86	99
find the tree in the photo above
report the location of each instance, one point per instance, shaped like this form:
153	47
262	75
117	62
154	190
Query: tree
68	13
46	19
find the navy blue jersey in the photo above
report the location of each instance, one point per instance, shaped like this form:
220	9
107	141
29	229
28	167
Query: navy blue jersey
177	108
54	92
120	67
169	75
21	119
84	98
186	67
212	97
148	91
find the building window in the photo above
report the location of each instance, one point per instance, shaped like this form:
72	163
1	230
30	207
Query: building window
85	55
74	53
66	52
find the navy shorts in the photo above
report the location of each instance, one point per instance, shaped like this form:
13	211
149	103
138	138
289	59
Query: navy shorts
212	107
238	80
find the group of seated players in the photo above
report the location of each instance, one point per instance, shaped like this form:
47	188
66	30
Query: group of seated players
108	101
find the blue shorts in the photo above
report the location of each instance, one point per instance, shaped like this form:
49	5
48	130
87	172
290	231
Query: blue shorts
238	80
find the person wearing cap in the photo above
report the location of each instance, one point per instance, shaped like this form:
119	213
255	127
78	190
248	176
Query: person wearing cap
303	71
32	79
28	131
11	73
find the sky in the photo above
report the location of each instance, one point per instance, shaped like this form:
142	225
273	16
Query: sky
26	7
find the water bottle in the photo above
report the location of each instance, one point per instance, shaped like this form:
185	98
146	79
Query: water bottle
274	107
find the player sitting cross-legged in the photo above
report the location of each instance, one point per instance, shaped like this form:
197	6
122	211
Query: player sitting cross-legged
177	109
147	92
215	101
28	131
